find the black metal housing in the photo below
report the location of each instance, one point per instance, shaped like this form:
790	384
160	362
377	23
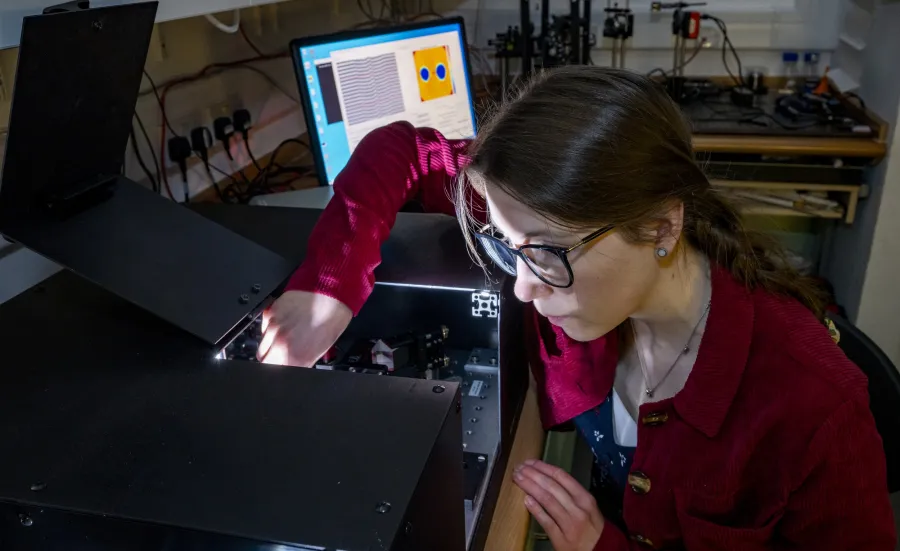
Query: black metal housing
120	428
63	197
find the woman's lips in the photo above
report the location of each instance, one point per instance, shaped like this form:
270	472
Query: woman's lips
557	320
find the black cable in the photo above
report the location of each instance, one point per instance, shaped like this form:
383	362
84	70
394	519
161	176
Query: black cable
727	45
156	163
154	185
160	102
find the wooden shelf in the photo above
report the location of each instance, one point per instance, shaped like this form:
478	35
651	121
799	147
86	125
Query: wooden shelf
782	190
789	146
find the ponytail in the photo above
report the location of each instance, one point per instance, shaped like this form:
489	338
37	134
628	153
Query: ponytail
714	227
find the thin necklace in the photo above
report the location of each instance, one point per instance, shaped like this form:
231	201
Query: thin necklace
648	390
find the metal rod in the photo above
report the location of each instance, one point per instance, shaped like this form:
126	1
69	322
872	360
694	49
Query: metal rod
524	8
675	49
545	28
574	32
586	33
504	78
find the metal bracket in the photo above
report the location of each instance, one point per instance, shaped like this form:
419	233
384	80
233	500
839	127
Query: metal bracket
485	304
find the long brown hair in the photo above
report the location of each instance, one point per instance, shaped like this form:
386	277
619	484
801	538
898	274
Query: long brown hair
589	146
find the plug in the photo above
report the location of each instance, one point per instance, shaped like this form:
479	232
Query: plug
241	119
179	152
242	124
201	141
223	130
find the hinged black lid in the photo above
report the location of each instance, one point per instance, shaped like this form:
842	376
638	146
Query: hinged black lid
62	194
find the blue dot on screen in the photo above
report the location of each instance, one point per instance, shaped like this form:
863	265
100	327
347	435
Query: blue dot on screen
424	73
441	71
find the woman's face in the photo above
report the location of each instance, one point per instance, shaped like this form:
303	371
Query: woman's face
613	278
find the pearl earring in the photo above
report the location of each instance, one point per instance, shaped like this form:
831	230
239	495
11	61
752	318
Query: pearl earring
661	252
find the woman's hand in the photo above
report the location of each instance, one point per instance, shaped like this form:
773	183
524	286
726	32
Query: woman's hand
300	327
566	511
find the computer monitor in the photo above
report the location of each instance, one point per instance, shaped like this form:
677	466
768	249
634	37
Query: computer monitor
353	82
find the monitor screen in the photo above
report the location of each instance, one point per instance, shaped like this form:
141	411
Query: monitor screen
354	83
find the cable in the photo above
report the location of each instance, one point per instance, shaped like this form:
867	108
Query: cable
250	42
158	180
666	73
154	185
159	100
727	45
229	29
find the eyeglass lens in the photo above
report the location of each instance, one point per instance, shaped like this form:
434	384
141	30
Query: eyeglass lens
546	264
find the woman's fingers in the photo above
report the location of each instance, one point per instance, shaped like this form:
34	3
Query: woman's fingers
546	521
552	497
581	497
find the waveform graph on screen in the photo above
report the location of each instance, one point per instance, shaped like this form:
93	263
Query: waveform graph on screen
433	66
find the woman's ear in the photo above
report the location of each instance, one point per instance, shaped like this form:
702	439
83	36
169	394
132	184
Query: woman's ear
669	227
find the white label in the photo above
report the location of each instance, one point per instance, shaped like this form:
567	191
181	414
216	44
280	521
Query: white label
476	389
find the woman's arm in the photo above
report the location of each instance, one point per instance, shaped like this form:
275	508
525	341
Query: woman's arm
391	166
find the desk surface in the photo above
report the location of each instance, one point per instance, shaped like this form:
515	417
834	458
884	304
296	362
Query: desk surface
509	525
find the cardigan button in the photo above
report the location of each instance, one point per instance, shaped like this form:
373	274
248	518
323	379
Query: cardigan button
655	418
642	540
639	482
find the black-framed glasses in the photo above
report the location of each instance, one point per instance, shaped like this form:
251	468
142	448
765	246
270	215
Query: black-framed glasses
550	264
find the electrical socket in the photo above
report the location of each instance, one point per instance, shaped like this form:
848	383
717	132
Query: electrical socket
216	110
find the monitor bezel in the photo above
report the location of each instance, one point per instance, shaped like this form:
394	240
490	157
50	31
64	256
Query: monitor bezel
315	40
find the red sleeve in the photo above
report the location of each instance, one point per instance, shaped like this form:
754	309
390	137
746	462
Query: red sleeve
391	166
842	502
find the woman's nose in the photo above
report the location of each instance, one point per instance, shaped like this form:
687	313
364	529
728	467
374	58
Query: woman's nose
529	286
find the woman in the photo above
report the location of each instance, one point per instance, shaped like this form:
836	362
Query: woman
692	360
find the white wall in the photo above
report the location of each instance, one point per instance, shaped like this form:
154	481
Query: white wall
760	30
866	257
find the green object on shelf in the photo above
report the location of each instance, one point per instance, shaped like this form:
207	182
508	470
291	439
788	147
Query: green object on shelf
564	450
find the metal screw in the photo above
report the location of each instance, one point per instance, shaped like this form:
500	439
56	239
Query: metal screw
438	389
465	445
408	528
25	520
38	486
244	299
484	397
474	359
469	433
478	408
493	361
473	420
97	25
257	288
383	507
482	459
